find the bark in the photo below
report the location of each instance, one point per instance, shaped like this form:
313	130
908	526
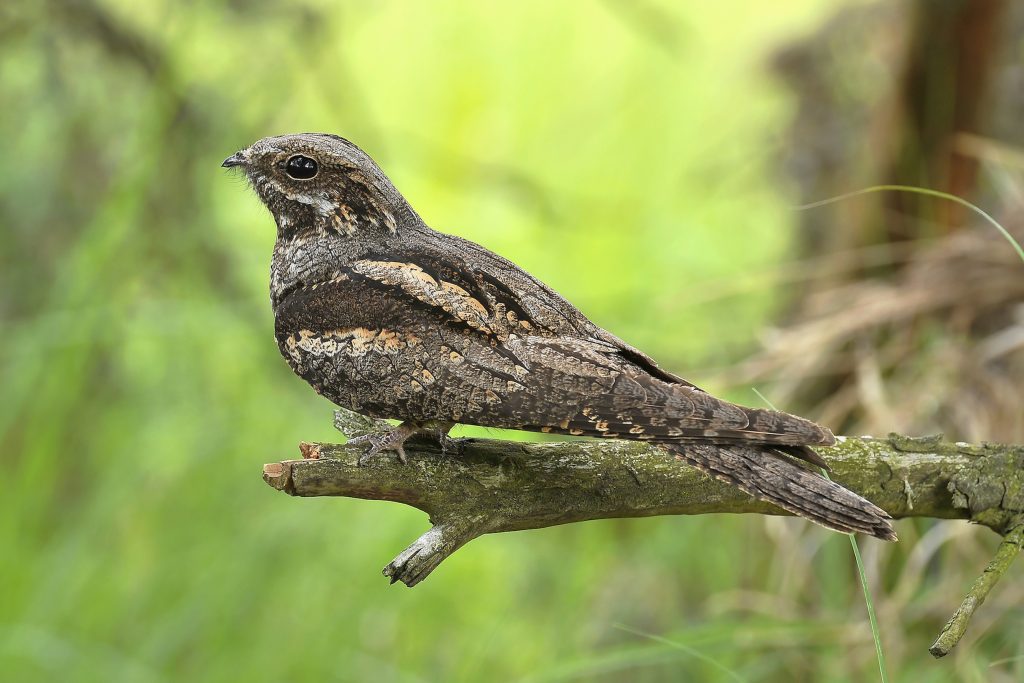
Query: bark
470	487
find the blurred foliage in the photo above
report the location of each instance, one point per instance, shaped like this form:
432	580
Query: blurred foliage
624	152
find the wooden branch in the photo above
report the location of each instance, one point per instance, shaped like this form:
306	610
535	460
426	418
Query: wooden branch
955	628
471	487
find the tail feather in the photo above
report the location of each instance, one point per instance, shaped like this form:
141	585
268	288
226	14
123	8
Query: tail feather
774	478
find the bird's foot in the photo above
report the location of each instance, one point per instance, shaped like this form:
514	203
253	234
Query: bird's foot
394	438
451	448
439	431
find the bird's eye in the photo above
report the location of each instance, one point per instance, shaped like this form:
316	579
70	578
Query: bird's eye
300	167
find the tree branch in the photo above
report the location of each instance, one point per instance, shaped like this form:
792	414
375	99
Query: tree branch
470	487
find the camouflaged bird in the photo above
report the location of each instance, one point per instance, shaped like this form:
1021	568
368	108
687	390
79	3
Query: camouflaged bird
387	317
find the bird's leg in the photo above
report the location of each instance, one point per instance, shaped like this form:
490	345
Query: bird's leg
394	438
439	429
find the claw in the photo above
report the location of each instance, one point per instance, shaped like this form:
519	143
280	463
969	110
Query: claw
374	449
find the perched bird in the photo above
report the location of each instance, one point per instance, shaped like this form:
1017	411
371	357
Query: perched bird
387	317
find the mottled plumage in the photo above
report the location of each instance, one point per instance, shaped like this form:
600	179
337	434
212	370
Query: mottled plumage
387	317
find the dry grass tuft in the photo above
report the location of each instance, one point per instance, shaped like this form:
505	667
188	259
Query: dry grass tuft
934	343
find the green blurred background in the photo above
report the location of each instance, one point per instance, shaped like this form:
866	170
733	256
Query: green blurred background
626	153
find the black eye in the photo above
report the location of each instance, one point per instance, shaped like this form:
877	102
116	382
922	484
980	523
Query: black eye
300	167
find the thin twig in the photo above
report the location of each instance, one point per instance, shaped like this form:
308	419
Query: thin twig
955	628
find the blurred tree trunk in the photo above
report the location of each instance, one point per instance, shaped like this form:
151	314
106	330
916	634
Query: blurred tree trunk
944	91
885	93
928	93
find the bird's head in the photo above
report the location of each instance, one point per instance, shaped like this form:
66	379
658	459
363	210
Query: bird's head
320	182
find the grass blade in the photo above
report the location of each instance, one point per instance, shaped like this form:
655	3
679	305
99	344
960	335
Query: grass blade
696	654
876	634
925	191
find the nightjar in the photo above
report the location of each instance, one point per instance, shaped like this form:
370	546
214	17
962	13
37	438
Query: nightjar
387	317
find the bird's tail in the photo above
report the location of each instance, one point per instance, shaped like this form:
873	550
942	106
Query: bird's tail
772	477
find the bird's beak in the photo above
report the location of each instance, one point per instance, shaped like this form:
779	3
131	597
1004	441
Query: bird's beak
236	159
